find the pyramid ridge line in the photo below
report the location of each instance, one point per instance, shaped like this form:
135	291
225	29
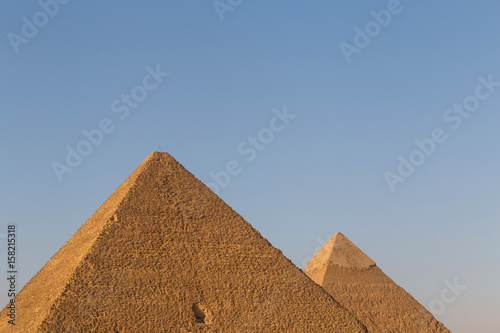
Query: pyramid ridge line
361	269
81	238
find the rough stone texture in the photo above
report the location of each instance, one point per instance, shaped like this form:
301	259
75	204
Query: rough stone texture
165	254
354	280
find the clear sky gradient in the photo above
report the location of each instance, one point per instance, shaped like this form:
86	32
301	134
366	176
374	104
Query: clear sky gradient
356	112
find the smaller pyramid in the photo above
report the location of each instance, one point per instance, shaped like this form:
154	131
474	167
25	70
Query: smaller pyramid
355	281
341	251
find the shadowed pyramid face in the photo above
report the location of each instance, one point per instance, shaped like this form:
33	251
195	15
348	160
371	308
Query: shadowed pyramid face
165	254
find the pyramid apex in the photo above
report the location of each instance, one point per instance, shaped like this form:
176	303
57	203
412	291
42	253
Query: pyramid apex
158	153
155	155
339	250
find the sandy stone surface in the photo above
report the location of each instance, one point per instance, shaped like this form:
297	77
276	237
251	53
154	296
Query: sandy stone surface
165	254
354	280
340	251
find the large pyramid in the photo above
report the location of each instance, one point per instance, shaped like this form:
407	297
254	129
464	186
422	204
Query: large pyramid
165	254
355	281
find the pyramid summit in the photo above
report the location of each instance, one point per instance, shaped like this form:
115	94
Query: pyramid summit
341	251
338	251
354	280
164	254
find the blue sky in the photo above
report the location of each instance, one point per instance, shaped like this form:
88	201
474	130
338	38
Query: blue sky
323	173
